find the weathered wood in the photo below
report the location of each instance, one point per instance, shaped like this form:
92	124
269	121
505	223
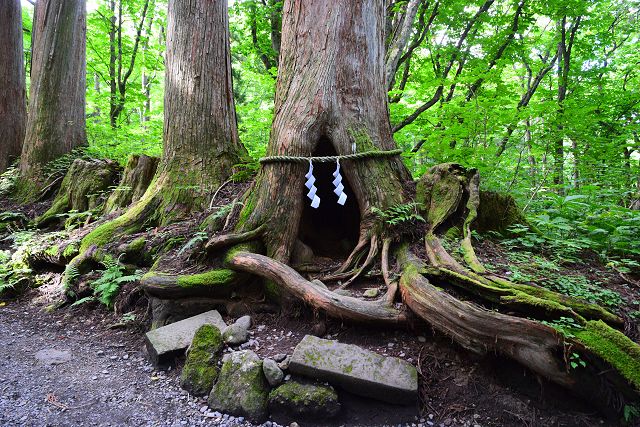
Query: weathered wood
82	189
136	178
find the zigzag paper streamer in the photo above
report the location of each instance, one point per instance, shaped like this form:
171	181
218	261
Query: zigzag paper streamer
315	200
337	182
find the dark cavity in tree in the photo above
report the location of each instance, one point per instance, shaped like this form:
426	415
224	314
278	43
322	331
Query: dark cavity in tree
331	230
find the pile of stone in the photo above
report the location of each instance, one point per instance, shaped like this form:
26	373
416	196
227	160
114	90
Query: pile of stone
297	387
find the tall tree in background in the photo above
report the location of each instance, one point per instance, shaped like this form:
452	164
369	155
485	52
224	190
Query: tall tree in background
201	143
12	77
56	113
120	66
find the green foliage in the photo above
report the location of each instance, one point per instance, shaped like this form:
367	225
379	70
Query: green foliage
8	180
107	286
565	325
198	237
399	214
12	275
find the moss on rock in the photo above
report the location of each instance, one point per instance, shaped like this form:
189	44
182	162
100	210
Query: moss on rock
304	400
242	389
201	367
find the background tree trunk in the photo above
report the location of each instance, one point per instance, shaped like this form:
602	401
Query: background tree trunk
201	143
56	119
12	97
330	98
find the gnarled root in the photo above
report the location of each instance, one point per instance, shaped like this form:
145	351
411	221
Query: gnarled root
449	192
315	293
534	345
226	240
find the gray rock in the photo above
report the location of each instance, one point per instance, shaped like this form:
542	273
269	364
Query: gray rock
244	322
167	342
241	389
371	293
357	370
235	334
284	365
304	400
279	357
272	372
238	332
51	356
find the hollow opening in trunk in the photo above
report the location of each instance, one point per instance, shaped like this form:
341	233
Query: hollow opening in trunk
331	230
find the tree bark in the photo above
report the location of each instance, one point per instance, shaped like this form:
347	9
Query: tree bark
13	106
56	113
201	143
330	96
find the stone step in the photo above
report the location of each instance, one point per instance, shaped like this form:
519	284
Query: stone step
167	342
357	370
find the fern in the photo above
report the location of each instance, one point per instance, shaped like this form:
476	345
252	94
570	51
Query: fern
197	238
399	214
108	285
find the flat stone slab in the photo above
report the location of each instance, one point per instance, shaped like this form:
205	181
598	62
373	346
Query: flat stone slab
356	370
165	343
51	356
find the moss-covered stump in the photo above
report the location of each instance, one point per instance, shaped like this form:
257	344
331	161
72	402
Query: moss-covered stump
303	401
82	189
201	367
137	176
241	389
498	212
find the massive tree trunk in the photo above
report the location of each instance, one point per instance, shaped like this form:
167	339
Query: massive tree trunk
56	119
330	99
201	143
12	97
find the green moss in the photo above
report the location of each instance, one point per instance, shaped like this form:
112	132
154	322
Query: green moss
70	250
305	400
297	392
241	388
362	139
201	367
247	210
614	347
52	250
550	307
136	245
220	276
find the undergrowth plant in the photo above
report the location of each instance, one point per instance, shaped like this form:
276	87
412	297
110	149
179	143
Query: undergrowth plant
107	286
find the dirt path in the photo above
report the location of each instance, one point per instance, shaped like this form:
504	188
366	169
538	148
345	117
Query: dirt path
63	371
69	368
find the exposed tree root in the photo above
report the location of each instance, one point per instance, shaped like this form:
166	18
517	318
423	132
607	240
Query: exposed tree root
315	293
136	177
449	192
534	345
226	240
217	283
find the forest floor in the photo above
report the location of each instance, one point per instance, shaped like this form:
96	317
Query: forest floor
100	376
86	365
